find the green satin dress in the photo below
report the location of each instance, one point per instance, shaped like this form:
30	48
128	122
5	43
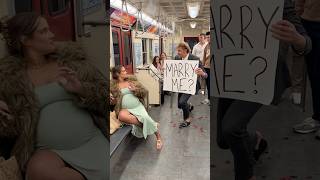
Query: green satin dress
135	107
69	131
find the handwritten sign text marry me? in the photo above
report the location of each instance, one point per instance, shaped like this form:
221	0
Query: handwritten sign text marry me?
244	52
179	76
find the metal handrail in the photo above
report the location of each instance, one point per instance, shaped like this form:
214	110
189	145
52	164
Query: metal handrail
124	4
149	69
139	20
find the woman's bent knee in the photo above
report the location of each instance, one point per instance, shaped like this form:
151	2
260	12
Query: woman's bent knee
123	114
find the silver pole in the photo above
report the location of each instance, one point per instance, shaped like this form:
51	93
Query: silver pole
171	97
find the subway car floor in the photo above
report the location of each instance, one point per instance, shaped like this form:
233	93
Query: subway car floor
290	156
185	154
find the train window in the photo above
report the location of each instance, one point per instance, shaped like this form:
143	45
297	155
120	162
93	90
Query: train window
116	49
144	50
127	49
57	7
23	6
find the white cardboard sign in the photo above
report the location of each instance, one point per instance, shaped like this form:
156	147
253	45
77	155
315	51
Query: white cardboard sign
179	76
245	54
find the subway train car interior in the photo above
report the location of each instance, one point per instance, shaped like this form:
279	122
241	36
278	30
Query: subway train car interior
141	33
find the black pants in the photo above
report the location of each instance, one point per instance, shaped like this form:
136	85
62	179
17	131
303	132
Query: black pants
233	117
183	104
208	81
313	65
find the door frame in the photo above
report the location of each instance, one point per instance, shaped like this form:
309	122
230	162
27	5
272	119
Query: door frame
120	33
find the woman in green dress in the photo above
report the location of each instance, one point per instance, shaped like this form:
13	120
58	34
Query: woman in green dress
50	96
130	109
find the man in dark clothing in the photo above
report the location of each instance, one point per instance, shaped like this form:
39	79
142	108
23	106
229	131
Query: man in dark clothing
233	116
184	54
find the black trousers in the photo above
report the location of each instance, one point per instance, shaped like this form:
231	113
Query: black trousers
183	104
313	65
232	119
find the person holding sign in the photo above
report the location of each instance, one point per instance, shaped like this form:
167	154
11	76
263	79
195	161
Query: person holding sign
310	14
157	65
184	54
234	115
129	94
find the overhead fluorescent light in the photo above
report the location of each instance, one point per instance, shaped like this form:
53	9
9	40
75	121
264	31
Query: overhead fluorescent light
193	24
134	12
193	9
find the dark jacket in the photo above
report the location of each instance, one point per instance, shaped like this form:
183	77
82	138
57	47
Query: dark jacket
193	57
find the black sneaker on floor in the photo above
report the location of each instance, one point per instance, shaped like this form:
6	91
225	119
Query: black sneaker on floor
262	148
184	124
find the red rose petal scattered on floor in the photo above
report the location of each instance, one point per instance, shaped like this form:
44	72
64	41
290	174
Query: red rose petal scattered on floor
195	126
201	130
174	125
286	178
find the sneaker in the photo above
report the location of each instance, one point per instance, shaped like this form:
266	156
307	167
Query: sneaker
296	97
206	101
184	124
307	126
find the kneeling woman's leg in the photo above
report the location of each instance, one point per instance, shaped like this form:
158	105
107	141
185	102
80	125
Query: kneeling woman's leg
47	165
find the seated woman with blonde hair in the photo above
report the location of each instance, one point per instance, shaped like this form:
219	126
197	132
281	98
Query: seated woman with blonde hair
130	109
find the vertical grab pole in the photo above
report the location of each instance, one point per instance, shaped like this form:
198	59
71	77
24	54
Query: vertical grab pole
171	97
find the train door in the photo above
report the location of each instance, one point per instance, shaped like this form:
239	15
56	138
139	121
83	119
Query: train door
127	47
58	13
116	39
122	47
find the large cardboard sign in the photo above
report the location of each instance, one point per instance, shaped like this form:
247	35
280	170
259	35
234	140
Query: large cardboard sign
179	76
245	54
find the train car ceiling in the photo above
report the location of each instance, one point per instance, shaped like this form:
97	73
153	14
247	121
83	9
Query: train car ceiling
133	11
